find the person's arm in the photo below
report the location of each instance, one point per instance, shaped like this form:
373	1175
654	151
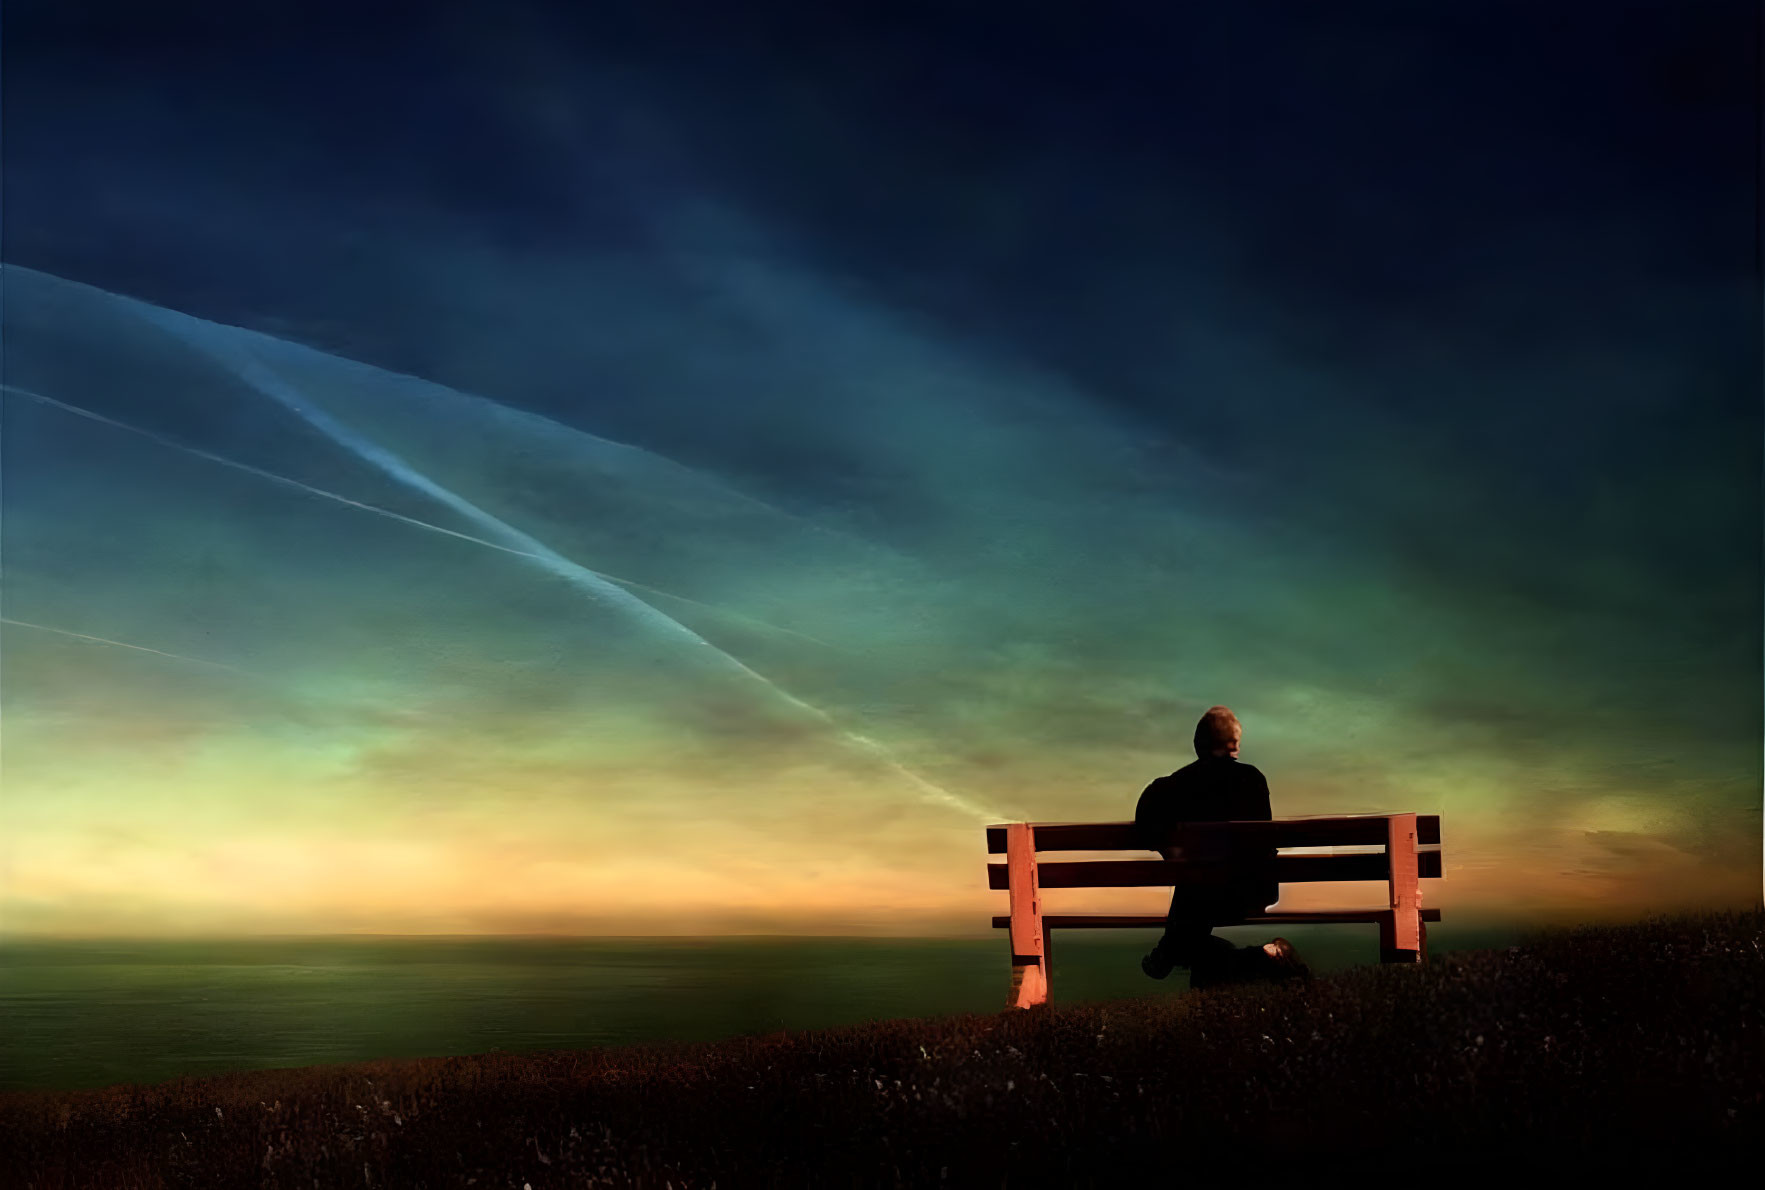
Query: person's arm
1152	820
1264	807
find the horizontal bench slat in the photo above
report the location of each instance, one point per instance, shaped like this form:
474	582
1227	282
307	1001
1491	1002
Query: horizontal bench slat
1141	873
1137	921
1353	830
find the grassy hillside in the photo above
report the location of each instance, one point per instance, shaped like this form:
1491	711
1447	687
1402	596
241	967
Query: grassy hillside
1598	1047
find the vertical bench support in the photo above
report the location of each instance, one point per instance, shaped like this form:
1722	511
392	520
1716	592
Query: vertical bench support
1400	933
1029	949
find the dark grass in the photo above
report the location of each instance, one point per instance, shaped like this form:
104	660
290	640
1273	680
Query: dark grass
1597	1049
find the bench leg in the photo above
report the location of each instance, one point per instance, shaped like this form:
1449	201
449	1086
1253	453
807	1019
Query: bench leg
1029	946
1401	939
1028	986
1389	951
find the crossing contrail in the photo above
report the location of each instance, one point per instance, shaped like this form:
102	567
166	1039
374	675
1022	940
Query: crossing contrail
260	376
397	516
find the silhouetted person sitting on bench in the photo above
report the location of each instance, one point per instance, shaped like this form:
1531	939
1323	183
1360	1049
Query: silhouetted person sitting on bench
1216	788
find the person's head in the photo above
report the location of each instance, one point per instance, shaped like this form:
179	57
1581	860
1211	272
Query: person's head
1218	733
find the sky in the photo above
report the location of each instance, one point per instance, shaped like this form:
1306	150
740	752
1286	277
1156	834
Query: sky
531	468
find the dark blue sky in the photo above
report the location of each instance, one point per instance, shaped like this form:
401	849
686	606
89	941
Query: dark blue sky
1385	190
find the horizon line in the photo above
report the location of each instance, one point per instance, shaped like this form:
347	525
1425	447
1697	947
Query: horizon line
989	934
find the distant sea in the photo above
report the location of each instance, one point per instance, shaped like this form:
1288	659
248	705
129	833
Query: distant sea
76	1014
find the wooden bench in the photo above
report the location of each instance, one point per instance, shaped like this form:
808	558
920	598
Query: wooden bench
1409	851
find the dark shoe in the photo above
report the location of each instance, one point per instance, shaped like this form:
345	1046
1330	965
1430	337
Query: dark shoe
1284	963
1156	965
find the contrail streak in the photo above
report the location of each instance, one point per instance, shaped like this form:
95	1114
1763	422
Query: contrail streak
123	644
723	487
387	512
271	384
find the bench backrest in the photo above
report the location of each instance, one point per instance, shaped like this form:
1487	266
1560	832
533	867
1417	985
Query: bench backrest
1355	830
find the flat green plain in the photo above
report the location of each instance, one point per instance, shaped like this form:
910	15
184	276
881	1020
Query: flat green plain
77	1014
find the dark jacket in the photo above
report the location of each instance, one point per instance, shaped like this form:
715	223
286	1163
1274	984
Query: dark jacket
1212	789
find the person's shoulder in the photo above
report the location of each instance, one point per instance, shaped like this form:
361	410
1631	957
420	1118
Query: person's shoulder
1250	772
1177	779
1170	781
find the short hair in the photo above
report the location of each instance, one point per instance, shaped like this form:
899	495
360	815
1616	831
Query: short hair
1216	730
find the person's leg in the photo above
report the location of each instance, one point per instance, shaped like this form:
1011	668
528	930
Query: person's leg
1276	959
1213	960
1188	936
